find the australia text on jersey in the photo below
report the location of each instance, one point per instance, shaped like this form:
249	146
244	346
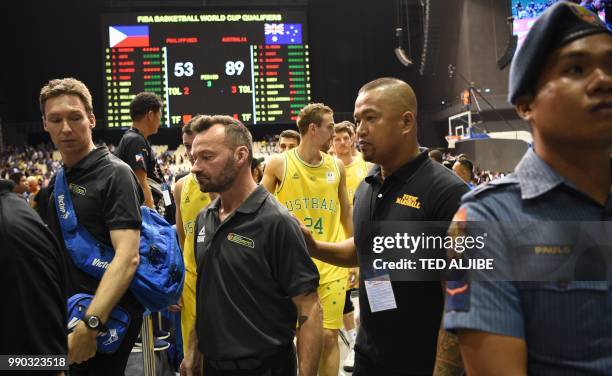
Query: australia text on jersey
306	203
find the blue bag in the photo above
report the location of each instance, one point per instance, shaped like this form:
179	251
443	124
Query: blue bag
117	323
158	281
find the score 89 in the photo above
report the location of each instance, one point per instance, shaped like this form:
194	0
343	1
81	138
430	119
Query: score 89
234	68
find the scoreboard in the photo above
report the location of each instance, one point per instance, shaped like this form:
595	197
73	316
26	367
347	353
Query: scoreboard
252	66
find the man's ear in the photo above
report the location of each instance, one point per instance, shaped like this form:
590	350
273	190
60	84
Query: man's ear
408	121
241	154
523	108
44	122
92	121
312	127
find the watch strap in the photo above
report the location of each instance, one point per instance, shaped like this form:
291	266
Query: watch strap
100	328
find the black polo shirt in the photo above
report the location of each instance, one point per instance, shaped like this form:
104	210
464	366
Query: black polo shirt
33	280
249	267
403	340
135	150
106	196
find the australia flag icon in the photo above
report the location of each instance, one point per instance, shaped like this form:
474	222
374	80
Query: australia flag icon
282	33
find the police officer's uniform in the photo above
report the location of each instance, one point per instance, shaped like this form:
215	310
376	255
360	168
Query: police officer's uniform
567	325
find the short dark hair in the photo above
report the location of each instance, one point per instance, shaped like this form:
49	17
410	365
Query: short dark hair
345	126
188	127
380	82
16	176
65	86
436	155
235	132
312	113
385	82
467	164
290	133
143	103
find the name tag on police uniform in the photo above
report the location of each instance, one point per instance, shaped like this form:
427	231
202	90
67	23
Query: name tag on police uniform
380	293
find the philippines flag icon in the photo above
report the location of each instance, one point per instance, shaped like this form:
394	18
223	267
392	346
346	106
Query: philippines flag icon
128	36
283	33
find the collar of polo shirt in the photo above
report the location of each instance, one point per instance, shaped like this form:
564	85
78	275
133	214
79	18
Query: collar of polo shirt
89	160
403	173
250	205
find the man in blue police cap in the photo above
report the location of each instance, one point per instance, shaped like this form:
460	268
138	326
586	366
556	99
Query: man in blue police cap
561	83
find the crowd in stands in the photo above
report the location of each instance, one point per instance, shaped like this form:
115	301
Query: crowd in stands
42	161
534	8
531	9
475	175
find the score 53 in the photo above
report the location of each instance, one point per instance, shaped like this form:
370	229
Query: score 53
183	69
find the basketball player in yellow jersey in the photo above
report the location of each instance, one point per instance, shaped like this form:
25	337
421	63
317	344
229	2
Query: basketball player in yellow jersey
312	185
356	170
190	201
355	167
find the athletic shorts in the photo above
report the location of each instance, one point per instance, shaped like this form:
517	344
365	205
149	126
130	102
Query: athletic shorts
332	295
348	303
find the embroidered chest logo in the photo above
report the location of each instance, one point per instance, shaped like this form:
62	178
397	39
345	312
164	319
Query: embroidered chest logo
242	240
408	200
296	176
201	235
359	173
78	189
331	177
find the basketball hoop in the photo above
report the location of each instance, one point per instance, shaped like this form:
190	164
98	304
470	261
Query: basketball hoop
451	141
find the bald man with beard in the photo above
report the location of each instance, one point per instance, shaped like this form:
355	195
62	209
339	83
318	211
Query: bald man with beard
405	185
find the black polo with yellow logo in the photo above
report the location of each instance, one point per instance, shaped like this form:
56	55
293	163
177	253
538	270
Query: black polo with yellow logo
106	196
403	340
249	267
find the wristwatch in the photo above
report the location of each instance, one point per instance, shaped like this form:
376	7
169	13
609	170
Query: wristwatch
94	322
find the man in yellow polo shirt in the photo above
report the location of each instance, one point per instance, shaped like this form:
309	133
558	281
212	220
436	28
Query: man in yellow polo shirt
190	202
312	185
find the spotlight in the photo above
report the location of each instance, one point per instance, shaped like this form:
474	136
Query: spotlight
401	54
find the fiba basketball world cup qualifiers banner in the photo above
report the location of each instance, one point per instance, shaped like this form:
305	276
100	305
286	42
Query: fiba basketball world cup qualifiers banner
486	251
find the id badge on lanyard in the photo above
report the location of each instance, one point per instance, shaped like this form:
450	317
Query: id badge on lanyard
380	293
378	285
166	194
